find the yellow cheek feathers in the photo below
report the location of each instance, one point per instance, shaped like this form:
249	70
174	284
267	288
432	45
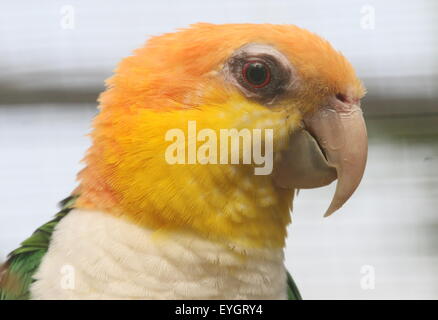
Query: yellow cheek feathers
127	175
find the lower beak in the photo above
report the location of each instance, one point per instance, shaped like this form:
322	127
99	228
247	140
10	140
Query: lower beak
339	130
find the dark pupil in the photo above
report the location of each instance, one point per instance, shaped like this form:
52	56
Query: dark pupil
256	73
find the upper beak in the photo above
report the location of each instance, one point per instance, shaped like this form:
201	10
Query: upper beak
340	131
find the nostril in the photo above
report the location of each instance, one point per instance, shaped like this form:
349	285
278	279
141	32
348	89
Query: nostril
342	97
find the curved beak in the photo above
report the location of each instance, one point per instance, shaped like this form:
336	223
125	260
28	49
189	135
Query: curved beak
339	130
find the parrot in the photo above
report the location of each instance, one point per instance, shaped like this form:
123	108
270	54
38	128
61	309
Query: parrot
160	216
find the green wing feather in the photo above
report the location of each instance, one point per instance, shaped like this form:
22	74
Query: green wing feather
292	289
16	275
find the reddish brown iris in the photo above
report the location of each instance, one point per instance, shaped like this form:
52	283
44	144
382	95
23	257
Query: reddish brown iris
256	74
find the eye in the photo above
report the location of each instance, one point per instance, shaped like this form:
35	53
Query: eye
257	74
259	71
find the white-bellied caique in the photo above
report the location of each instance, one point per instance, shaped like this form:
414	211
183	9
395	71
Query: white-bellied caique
158	215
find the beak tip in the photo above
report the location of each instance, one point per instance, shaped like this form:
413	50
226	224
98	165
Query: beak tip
328	214
332	209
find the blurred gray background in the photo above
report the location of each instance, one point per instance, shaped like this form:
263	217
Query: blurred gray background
55	55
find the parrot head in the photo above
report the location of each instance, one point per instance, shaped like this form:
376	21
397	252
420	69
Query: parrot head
238	76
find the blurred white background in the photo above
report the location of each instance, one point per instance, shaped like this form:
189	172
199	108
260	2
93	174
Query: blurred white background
55	55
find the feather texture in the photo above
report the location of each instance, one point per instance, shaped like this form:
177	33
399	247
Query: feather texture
17	273
23	263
